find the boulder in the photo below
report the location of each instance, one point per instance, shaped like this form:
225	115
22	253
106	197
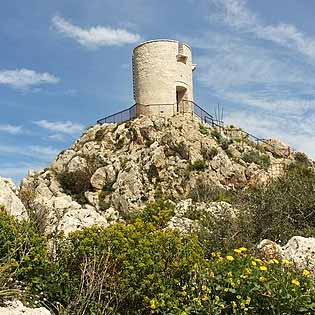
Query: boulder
77	219
277	148
299	250
10	201
103	176
16	307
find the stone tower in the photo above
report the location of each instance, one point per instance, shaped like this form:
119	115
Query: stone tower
162	78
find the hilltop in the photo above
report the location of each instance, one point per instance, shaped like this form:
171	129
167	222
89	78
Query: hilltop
113	170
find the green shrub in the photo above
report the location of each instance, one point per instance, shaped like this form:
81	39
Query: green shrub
225	144
205	192
209	153
217	136
263	160
301	158
23	252
143	268
141	263
204	130
199	165
282	208
158	213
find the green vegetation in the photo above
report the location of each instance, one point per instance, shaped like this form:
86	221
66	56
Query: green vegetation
204	130
263	160
209	153
142	267
199	165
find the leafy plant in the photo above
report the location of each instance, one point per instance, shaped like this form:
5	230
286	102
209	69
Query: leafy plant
263	160
204	130
199	165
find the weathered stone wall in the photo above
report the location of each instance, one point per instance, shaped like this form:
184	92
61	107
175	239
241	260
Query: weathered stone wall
157	72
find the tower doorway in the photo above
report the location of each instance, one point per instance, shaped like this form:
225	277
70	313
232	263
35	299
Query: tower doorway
180	97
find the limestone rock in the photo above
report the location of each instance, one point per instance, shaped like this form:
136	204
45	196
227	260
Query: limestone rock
143	160
299	250
17	308
277	148
10	201
103	176
80	218
186	208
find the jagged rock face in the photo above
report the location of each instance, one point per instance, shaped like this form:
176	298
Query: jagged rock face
121	167
9	200
299	250
17	308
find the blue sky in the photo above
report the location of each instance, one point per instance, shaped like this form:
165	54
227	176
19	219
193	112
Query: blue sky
64	64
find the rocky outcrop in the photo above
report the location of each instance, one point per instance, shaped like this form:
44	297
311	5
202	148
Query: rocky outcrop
17	308
9	200
299	250
188	214
121	167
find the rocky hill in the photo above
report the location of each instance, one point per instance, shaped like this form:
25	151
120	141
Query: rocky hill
113	169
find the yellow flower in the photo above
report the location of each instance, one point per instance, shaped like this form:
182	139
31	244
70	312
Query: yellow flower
248	270
276	261
254	263
230	274
240	250
259	261
262	279
285	262
153	304
247	301
296	282
197	301
306	273
263	268
205	298
230	258
234	305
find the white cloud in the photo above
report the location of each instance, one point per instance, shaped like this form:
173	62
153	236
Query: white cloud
11	129
24	78
95	36
66	127
236	14
35	151
57	137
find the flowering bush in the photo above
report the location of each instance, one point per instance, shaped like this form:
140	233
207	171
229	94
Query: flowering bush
144	268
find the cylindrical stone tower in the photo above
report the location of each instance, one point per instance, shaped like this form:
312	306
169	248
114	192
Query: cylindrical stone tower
162	78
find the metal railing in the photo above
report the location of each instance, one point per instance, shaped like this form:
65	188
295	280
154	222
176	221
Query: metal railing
133	111
120	117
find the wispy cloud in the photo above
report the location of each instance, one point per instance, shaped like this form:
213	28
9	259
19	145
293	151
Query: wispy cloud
36	151
66	127
236	14
24	78
11	129
264	74
94	37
